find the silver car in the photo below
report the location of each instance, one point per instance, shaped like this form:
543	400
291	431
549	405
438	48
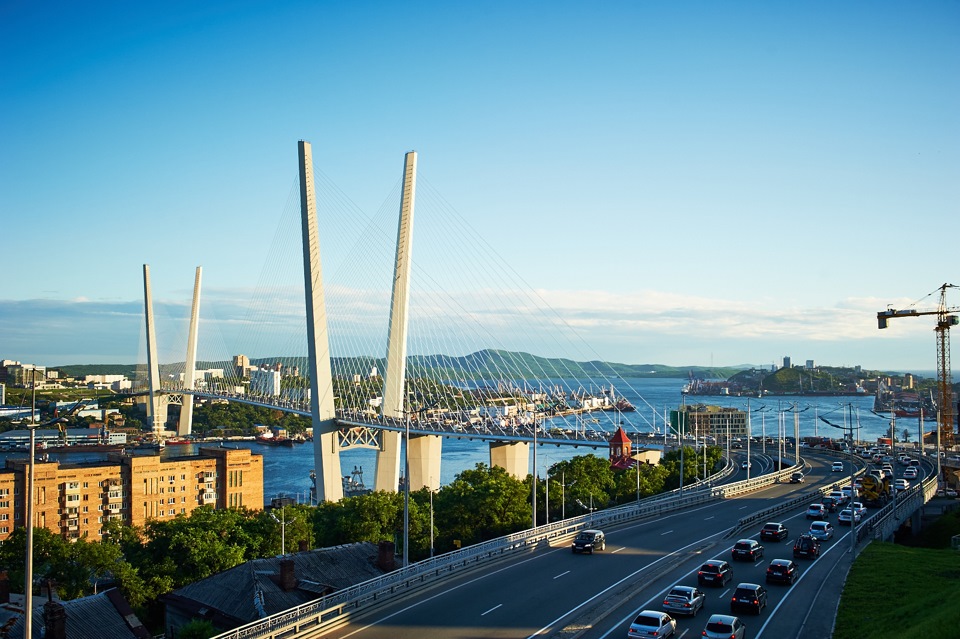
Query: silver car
724	627
684	600
821	530
652	623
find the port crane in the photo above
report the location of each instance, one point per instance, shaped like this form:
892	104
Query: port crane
945	420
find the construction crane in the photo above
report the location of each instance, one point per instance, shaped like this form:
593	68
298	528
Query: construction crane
944	380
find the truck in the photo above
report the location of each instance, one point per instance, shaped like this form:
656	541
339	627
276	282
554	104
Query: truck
874	490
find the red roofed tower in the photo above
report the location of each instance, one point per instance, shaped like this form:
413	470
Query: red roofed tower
620	450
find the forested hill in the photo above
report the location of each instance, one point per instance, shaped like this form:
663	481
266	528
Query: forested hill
485	364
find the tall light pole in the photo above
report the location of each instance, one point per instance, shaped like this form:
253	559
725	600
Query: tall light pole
406	489
533	495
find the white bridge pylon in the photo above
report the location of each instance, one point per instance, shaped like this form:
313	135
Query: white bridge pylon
157	401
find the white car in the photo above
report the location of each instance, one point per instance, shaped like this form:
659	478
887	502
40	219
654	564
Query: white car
859	508
910	473
901	484
837	467
846	515
653	623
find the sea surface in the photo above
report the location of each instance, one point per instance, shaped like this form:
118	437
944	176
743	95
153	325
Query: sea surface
286	471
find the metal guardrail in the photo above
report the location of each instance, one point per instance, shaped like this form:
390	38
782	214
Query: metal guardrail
804	498
334	609
887	520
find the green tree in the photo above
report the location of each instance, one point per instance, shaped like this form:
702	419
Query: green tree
481	504
196	629
588	479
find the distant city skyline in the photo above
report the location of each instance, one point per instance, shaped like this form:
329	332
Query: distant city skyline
683	183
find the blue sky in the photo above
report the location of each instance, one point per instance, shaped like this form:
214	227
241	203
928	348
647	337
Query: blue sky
685	182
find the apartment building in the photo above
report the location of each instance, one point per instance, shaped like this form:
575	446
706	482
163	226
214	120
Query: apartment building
74	500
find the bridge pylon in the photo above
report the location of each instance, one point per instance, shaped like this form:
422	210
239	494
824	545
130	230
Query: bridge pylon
326	447
185	426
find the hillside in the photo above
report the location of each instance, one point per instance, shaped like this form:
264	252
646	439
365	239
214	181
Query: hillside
485	364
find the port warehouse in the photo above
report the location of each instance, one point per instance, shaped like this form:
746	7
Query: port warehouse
73	500
20	439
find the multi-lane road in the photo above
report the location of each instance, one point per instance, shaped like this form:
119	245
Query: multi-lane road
551	592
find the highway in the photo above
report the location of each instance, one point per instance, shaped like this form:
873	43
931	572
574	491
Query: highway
550	592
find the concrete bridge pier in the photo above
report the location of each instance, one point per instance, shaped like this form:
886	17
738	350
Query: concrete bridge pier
514	457
424	460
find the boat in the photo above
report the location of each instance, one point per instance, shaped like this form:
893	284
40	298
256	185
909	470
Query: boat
177	441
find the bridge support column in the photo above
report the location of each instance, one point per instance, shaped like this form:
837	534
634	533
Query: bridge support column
156	415
395	403
388	462
424	461
916	521
326	446
185	426
514	457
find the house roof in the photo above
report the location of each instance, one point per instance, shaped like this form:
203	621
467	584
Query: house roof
620	437
106	615
230	595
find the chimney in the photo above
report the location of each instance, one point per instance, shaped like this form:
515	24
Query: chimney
303	546
55	620
288	576
385	556
4	587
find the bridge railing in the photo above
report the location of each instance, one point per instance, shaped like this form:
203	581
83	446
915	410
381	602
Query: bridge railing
889	518
330	610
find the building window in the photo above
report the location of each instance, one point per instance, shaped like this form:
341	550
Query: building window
4	517
4	529
4	504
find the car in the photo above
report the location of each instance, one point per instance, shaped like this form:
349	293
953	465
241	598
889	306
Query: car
837	467
782	571
589	541
904	460
773	530
830	503
684	600
750	597
821	530
746	464
911	472
901	484
839	496
850	493
715	572
847	516
914	462
796	478
859	508
806	546
747	549
653	623
816	511
724	627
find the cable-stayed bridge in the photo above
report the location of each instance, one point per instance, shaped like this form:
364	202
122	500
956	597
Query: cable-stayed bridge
371	375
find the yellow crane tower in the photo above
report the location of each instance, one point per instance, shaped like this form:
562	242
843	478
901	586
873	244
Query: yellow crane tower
944	380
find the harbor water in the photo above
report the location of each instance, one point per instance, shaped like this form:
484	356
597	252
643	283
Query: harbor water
286	470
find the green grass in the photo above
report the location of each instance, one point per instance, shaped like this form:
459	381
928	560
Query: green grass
897	591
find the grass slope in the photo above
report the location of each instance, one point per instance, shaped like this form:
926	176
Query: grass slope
896	591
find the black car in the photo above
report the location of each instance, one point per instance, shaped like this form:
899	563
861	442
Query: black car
747	549
749	597
715	572
830	503
782	571
806	546
588	541
774	531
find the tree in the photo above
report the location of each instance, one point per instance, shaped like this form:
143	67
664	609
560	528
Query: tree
480	504
196	629
589	480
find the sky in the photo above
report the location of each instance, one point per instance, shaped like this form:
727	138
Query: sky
684	182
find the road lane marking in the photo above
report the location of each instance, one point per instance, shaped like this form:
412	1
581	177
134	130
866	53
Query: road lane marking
666	533
565	572
618	550
742	507
491	610
708	518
